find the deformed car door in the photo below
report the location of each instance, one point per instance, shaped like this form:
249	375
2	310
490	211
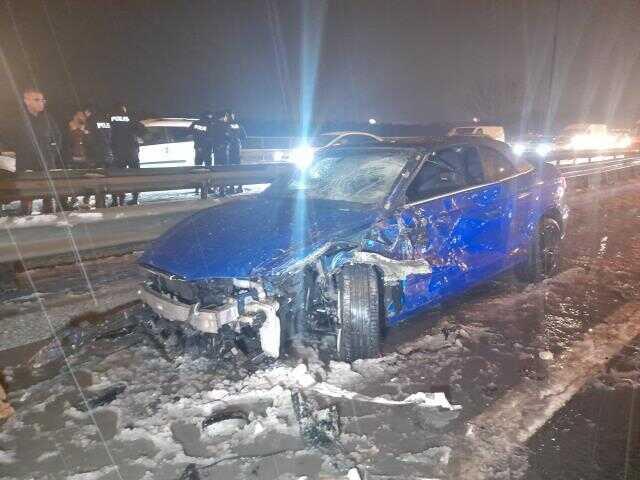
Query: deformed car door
430	220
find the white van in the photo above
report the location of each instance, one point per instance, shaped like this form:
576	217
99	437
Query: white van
495	132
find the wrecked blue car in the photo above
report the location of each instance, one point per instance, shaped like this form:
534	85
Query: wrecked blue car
360	239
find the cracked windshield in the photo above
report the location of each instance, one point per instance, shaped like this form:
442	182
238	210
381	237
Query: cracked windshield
320	240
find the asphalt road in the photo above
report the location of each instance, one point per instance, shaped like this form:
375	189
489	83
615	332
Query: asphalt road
520	417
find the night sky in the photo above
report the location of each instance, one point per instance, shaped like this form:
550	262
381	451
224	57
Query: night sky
397	61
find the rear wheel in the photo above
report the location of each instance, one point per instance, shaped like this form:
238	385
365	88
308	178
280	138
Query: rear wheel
359	311
544	253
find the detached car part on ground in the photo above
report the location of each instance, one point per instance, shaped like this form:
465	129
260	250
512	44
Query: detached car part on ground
363	238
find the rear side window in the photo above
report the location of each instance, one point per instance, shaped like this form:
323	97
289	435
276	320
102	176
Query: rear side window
442	172
495	165
155	136
179	134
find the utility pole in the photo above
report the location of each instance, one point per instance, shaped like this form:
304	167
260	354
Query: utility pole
554	51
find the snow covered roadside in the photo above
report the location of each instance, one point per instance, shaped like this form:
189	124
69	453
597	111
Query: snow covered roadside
71	219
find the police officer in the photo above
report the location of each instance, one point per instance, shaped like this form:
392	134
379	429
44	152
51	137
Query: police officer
125	132
201	130
97	144
221	136
237	138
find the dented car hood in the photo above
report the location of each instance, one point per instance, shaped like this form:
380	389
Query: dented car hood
251	237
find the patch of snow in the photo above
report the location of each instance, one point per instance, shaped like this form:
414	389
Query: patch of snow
7	456
302	377
94	475
546	355
46	456
354	474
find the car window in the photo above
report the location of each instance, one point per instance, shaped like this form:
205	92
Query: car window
442	172
155	136
495	165
362	176
179	134
357	140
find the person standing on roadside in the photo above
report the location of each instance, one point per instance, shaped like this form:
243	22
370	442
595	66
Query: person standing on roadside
221	136
201	130
125	132
97	145
237	138
37	143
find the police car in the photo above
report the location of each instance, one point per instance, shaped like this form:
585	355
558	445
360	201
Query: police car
167	142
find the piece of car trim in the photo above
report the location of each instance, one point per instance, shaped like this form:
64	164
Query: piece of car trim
205	320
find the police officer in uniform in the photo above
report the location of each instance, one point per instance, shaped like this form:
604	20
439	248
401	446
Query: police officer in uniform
97	144
237	138
201	130
125	132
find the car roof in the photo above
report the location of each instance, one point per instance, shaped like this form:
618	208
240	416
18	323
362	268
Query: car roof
351	132
168	122
431	143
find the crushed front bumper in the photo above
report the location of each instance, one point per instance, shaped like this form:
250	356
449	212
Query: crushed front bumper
205	320
211	320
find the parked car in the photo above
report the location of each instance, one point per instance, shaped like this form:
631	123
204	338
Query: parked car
492	131
167	142
361	239
534	144
304	153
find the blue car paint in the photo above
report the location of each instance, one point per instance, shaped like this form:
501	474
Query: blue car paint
250	236
467	237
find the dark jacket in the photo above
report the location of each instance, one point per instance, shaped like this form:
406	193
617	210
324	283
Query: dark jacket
202	132
37	142
124	133
97	142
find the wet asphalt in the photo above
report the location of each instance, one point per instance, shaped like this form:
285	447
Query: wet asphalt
502	326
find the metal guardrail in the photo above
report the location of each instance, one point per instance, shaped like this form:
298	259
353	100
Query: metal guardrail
100	182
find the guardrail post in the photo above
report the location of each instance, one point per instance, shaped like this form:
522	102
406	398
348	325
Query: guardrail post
204	190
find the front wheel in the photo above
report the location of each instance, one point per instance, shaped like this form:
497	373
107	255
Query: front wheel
359	313
544	253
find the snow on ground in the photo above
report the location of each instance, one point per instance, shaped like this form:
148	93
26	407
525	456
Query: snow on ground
233	422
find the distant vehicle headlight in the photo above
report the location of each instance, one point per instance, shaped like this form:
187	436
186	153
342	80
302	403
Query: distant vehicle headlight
543	149
519	148
302	156
624	142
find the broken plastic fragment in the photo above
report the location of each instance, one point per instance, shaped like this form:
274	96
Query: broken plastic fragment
319	428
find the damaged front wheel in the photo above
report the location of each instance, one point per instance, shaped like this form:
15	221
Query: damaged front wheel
359	313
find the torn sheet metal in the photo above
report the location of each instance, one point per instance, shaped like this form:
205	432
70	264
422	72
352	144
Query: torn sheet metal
393	270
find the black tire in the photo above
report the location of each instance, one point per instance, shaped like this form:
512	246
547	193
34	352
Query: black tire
544	253
360	313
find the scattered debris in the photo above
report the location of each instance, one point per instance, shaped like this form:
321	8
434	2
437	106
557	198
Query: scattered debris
546	355
190	473
224	415
319	428
105	397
